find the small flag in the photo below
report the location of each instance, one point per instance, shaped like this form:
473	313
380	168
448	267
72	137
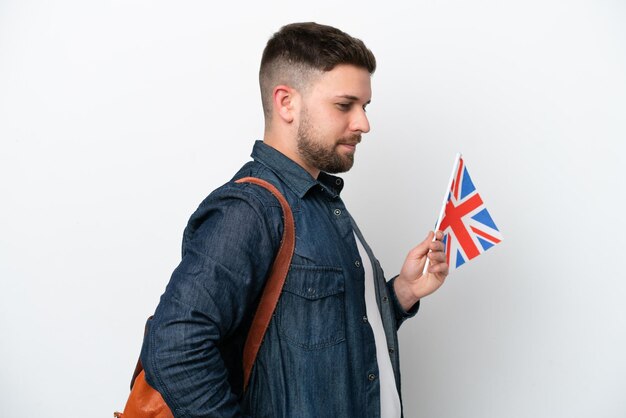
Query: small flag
468	228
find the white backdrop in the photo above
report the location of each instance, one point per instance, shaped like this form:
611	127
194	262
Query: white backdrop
118	117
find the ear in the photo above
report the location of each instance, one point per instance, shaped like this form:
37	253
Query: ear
285	102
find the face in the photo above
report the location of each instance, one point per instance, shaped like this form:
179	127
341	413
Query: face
332	118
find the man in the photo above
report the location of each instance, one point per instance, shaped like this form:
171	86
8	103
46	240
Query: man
331	349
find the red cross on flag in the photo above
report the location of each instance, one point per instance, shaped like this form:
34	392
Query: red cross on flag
468	228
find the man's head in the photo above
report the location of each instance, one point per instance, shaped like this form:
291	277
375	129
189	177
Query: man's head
315	84
299	52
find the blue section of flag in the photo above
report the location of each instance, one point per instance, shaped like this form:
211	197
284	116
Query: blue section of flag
459	258
484	218
486	244
467	186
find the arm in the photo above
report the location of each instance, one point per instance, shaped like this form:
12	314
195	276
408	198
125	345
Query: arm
411	285
228	249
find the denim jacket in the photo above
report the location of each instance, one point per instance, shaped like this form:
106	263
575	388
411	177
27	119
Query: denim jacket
318	357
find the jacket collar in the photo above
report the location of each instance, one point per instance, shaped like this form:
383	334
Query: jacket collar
292	174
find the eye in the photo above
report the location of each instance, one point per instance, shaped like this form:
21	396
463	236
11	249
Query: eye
344	107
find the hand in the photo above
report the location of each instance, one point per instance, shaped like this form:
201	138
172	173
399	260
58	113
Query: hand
411	285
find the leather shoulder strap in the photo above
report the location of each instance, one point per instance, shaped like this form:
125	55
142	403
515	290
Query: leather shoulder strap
274	284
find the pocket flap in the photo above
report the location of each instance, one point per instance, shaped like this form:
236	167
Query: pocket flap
314	282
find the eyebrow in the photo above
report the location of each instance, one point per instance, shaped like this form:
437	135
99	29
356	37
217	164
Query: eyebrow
351	97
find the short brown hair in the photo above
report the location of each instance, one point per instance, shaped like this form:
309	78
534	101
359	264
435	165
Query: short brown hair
299	50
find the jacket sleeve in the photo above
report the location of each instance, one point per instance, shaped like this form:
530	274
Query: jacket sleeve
400	313
228	248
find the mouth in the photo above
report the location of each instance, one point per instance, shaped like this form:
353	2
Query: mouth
350	143
349	146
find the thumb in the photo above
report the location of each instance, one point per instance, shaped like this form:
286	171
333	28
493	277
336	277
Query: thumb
422	248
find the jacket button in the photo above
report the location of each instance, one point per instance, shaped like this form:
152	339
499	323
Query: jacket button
391	350
337	212
357	263
371	377
364	319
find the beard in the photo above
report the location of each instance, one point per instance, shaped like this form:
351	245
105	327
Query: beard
324	157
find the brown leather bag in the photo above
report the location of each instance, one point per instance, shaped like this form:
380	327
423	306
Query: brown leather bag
145	402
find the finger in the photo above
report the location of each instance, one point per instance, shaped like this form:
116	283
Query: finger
438	266
440	269
437	257
436	246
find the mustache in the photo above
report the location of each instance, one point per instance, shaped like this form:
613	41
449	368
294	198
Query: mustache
350	140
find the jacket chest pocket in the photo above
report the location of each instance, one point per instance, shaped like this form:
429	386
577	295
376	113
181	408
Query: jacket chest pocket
310	311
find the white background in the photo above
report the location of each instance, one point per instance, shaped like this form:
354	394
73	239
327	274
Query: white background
118	117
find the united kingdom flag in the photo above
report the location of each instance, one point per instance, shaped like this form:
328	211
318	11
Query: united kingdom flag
468	227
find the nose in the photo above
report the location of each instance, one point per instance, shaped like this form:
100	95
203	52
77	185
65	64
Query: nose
360	122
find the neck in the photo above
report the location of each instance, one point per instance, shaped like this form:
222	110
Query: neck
287	146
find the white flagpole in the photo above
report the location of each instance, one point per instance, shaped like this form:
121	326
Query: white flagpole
443	204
